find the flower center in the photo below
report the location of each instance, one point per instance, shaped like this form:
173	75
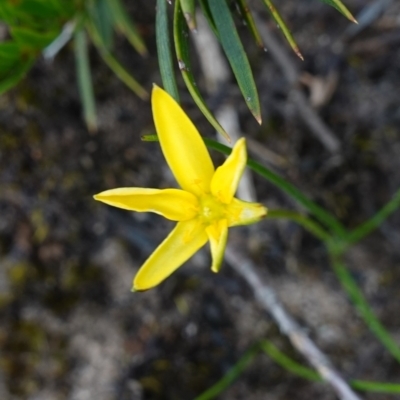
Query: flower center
211	209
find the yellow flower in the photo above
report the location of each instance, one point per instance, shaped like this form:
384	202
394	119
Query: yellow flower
205	207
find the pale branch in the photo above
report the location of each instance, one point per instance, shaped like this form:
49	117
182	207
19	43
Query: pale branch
267	298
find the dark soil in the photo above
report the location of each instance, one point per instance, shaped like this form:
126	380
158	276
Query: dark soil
69	326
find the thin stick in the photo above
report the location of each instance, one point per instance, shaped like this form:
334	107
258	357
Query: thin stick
288	326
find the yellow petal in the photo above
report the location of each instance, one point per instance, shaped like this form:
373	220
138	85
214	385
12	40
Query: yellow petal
226	178
178	247
218	235
241	212
173	204
181	143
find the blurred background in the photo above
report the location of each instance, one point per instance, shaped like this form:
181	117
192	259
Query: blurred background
69	326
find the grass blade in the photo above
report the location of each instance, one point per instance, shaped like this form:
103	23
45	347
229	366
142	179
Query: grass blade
115	65
288	363
374	222
207	13
125	25
101	17
189	13
246	14
230	376
364	308
164	50
341	8
285	30
181	38
236	55
303	220
85	80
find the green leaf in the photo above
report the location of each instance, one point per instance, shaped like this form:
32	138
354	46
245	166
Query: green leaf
9	51
16	74
42	9
303	220
374	222
341	8
125	25
85	80
364	309
236	55
188	9
230	376
100	14
246	14
164	50
115	65
181	38
285	30
39	15
207	13
30	39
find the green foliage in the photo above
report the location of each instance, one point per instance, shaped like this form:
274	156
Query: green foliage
165	60
34	25
236	55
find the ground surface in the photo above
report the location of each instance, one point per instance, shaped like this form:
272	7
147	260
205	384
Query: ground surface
71	329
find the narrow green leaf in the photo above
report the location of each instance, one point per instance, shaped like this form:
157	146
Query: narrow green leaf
303	220
188	9
85	80
288	363
31	39
164	50
377	387
236	55
115	65
150	138
246	14
285	30
181	38
126	26
367	227
230	376
207	13
16	74
364	308
101	17
341	8
307	373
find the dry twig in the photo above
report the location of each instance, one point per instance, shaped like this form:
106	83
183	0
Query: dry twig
288	326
